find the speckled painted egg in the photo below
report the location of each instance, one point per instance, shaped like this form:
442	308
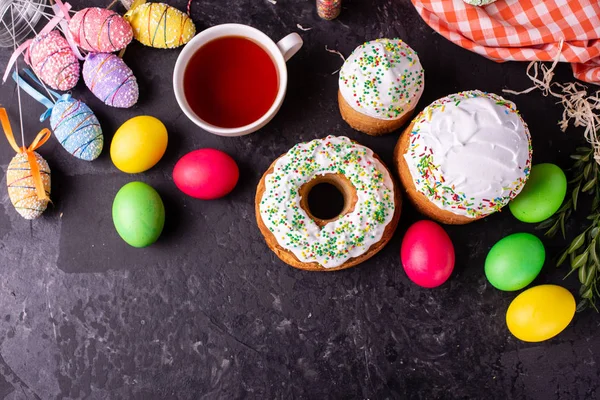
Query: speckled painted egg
542	195
206	174
540	313
77	128
110	79
138	144
21	187
515	261
53	61
427	254
100	30
160	25
138	214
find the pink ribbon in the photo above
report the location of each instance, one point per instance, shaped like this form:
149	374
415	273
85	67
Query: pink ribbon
61	17
63	9
14	57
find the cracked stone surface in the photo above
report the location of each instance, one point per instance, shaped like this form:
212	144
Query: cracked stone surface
208	312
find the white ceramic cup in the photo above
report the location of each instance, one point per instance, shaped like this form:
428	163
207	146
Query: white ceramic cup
280	52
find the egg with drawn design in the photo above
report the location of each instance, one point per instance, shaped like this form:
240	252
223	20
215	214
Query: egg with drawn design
53	61
160	25
77	128
21	185
100	30
110	79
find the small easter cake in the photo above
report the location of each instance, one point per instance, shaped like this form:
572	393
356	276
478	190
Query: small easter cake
380	84
464	157
366	223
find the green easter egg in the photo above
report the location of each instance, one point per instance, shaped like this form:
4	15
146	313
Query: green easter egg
542	195
515	261
138	214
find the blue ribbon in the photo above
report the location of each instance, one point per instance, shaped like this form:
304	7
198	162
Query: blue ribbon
49	104
30	74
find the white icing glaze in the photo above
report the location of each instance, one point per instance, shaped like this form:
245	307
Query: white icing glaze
349	236
469	153
382	78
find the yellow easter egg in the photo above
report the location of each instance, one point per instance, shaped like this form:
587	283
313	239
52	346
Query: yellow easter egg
540	313
138	144
160	25
21	186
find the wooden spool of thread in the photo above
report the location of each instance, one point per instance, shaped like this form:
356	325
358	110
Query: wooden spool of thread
329	9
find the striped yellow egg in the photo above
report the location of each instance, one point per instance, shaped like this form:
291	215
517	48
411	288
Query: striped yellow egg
160	25
21	187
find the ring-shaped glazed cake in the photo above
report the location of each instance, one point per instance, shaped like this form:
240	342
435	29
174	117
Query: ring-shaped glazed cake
367	222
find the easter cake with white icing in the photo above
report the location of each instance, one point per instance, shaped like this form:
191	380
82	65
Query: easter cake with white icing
464	157
380	85
366	223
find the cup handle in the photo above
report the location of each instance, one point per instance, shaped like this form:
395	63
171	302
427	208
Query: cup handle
290	45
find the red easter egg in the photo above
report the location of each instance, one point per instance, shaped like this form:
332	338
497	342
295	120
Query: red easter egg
206	174
427	254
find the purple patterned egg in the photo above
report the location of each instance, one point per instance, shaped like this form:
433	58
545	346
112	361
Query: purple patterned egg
53	61
110	79
100	30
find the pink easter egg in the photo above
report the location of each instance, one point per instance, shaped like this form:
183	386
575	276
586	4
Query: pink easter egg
206	174
100	30
110	79
53	61
427	254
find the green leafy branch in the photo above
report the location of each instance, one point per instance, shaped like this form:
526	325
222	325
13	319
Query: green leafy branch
584	251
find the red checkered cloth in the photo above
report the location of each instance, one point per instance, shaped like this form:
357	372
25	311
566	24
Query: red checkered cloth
523	30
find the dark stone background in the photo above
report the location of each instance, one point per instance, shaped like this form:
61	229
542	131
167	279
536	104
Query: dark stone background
209	312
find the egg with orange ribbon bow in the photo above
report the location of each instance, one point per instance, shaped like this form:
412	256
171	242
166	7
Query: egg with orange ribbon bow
100	30
28	174
21	185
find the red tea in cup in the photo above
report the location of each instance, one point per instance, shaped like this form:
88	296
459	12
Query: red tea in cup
230	82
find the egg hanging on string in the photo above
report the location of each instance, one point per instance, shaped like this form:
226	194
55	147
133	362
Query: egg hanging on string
77	128
100	30
73	122
21	186
110	79
160	25
53	61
